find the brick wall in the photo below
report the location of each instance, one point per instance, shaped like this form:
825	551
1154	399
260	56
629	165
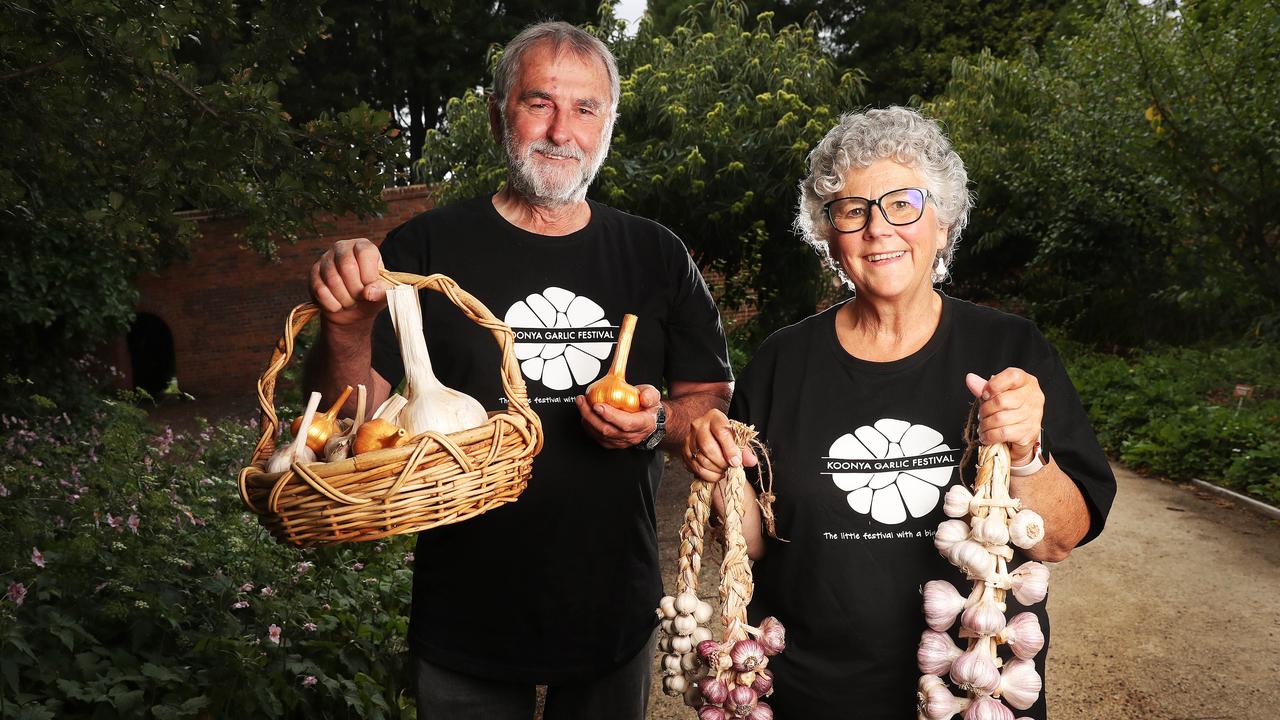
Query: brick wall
227	306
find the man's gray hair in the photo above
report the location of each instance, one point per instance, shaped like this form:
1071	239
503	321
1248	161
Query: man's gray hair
894	133
562	36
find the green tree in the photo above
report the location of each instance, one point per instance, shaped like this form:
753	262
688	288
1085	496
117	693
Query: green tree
716	122
1127	179
112	125
409	56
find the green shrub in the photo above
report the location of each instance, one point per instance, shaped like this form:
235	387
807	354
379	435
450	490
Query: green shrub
1173	412
136	585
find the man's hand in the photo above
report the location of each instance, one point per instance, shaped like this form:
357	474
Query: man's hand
1012	411
345	284
616	429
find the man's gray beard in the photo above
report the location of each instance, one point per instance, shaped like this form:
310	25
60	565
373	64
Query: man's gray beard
523	177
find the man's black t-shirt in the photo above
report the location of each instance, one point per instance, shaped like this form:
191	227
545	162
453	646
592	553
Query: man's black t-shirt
561	584
863	453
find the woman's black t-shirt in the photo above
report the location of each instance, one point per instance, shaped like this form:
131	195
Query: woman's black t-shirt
863	453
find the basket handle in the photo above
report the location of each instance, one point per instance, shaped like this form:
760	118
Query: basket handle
512	381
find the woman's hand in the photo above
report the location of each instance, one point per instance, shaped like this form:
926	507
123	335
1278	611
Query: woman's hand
1012	411
709	449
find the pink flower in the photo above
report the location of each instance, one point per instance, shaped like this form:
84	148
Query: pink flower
308	681
309	627
132	522
267	592
37	557
17	592
358	566
408	558
239	604
273	633
304	566
112	521
4	491
247	587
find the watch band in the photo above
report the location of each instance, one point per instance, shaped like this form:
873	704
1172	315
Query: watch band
1039	458
659	432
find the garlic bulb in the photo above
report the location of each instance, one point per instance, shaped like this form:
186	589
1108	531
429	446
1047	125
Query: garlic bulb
684	624
763	684
747	655
741	700
1027	529
949	533
935	702
667	608
984	617
973	559
942	603
670	664
773	637
681	644
700	634
338	448
298	450
711	712
936	652
975	670
991	530
1020	684
674	685
761	711
956	502
1023	634
703	612
686	603
432	406
987	708
715	691
1030	582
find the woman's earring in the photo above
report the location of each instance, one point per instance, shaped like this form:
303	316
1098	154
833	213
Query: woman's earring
940	269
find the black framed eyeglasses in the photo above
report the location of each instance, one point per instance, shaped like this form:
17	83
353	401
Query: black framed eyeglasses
898	207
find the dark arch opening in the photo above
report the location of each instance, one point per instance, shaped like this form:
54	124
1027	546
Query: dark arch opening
151	354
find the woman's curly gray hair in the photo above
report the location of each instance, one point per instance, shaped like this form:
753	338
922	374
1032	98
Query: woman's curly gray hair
894	133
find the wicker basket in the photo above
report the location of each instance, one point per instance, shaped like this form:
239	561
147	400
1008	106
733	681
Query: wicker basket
430	481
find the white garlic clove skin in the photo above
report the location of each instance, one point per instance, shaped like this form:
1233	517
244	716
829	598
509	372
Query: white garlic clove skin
282	459
700	634
671	664
935	702
949	533
686	603
984	618
664	643
1023	635
689	663
975	671
337	448
942	603
991	530
669	627
667	607
674	685
1030	582
684	624
987	708
1027	529
703	612
936	652
1020	684
681	644
956	502
973	558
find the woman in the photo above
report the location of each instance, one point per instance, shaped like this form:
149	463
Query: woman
863	408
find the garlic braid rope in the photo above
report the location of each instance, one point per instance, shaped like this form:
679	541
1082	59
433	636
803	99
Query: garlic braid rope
721	679
976	541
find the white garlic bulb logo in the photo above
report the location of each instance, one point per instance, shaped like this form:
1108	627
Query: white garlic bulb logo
561	338
891	469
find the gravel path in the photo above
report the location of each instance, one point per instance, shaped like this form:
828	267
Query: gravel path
1172	614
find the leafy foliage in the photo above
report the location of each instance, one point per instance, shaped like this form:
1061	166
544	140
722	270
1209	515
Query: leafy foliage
408	55
134	584
1127	178
115	121
1172	412
715	123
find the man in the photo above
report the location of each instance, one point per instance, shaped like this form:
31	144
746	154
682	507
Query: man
559	587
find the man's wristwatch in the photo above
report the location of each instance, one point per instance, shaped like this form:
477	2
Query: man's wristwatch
1039	458
659	432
